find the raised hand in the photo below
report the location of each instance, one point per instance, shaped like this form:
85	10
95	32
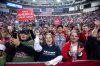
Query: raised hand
80	49
37	33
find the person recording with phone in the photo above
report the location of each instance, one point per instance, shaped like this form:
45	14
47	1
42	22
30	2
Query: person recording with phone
21	47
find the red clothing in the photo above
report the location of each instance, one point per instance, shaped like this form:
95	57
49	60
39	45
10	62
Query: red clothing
67	37
66	49
83	37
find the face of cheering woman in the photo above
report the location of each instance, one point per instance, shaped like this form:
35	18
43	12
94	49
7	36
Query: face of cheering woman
49	39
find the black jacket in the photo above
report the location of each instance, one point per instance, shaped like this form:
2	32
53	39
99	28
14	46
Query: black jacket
11	50
93	48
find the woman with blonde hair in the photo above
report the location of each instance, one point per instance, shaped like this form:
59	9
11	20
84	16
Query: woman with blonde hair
50	53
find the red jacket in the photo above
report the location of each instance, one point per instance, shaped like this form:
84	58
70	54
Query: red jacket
66	49
83	37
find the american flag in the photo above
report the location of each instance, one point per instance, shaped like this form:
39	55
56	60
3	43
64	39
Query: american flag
47	12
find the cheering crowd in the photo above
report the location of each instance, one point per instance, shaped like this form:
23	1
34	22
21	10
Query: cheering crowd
76	38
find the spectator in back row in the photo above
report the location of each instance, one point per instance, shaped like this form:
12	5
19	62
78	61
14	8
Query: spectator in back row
60	37
44	30
84	33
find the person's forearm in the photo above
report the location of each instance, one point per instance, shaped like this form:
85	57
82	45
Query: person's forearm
56	60
37	46
94	32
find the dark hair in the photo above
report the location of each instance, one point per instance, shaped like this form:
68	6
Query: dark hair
50	31
85	25
98	30
24	31
97	18
59	26
45	27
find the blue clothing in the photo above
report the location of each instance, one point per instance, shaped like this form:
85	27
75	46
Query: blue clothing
59	40
49	52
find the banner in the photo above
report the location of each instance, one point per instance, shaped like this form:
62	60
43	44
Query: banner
47	12
56	21
25	14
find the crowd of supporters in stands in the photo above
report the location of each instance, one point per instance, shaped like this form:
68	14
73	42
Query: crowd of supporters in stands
76	38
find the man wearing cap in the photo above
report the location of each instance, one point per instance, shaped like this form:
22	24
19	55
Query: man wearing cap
2	55
23	48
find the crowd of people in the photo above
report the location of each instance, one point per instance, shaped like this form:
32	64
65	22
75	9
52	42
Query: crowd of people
76	38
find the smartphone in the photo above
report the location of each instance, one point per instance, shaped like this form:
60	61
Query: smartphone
14	35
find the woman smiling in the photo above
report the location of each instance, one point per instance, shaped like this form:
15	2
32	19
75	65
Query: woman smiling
50	53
